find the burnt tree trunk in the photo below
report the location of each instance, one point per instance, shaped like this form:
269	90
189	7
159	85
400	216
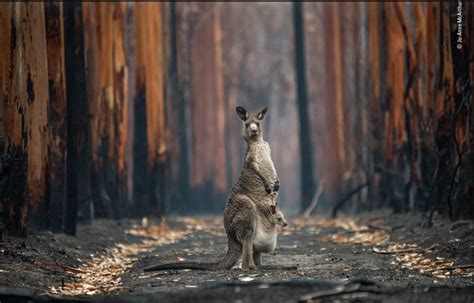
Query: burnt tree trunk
140	178
25	93
306	148
180	101
468	187
13	188
57	115
92	27
78	139
444	102
149	80
460	191
120	120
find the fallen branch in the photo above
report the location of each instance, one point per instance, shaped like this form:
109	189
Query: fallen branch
342	289
10	294
460	222
347	197
373	226
315	200
291	283
57	266
351	287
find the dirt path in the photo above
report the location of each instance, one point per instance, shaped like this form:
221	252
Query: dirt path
371	257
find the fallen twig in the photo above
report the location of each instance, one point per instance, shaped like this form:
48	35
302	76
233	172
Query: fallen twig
347	197
315	200
57	266
388	252
373	226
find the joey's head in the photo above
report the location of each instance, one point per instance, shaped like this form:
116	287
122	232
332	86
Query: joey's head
252	125
278	218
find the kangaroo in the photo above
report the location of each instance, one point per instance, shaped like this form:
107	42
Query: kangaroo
251	213
265	241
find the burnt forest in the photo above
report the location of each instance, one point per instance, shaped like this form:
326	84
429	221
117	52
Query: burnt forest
236	151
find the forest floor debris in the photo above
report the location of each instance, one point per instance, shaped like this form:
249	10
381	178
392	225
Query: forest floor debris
108	257
102	274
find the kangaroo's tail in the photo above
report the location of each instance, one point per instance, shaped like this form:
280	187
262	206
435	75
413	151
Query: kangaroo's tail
184	265
229	260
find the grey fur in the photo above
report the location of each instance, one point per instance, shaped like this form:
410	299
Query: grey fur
251	214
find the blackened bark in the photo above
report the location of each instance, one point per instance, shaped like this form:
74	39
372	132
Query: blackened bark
156	190
14	192
179	96
57	113
306	148
101	200
462	205
140	149
78	140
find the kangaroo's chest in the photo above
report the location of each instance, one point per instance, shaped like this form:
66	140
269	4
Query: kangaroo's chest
265	240
264	158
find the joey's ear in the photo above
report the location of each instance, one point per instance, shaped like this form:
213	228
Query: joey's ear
242	113
262	113
273	209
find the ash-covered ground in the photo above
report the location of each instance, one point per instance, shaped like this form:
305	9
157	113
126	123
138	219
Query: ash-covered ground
377	257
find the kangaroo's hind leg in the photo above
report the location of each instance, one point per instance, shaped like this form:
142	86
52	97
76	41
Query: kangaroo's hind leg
257	258
244	224
247	256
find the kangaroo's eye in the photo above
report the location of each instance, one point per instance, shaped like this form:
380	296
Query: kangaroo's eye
247	125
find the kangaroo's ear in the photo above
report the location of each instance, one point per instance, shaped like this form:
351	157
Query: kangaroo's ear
273	209
242	113
262	113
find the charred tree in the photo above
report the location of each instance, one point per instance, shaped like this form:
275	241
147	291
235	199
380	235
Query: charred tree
306	147
121	119
57	115
428	154
93	28
467	189
179	101
36	88
444	102
14	157
150	83
78	139
460	191
25	189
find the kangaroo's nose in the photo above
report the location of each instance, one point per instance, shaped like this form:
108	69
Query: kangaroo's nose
285	224
253	128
